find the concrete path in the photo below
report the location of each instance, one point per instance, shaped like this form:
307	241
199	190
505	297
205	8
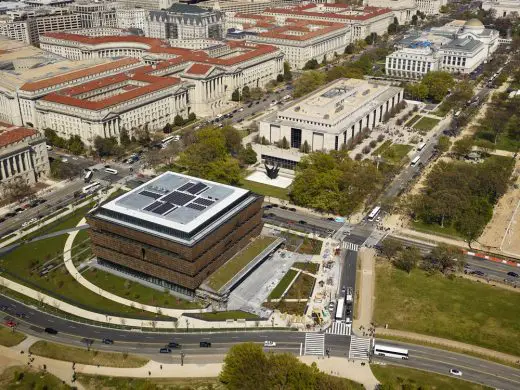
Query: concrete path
367	284
449	343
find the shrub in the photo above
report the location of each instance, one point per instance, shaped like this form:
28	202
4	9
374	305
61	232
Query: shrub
366	149
358	157
380	137
373	143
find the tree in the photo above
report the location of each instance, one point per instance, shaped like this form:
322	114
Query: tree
246	367
60	170
280	78
105	146
235	96
444	258
390	248
407	259
444	143
233	140
324	61
247	155
417	91
305	148
167	129
17	189
311	64
192	116
124	138
308	82
284	144
350	48
257	93
463	146
246	93
178	120
414	20
438	84
287	74
75	145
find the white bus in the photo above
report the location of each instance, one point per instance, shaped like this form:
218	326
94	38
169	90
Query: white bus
393	352
88	176
91	188
339	309
457	114
166	141
421	146
374	213
415	161
111	170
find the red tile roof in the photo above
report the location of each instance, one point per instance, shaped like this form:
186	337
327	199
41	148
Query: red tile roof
198	69
78	74
302	26
306	10
17	134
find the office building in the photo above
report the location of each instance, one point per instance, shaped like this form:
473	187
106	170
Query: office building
502	8
175	230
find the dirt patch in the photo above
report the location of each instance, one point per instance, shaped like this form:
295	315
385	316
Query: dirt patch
501	231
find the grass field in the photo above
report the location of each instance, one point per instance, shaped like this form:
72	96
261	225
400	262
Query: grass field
81	248
301	288
283	284
225	315
94	382
8	338
503	141
395	153
307	246
457	309
381	148
225	273
309	267
24	261
433	228
414	119
22	378
296	308
135	291
82	356
266	190
426	123
396	377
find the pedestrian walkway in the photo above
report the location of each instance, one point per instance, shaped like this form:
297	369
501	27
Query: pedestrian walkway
349	246
359	348
339	328
314	344
365	291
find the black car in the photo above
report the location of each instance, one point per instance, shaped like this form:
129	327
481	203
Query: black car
513	274
479	273
302	222
165	350
107	341
292	209
9	215
51	331
205	344
174	345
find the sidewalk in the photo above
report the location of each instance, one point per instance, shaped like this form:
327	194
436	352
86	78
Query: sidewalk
365	290
448	343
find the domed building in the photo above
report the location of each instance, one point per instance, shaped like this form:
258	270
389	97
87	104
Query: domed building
475	29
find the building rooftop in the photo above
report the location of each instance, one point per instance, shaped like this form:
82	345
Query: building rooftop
465	44
175	206
334	11
10	134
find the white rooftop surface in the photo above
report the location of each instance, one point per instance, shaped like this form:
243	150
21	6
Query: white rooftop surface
182	217
261	177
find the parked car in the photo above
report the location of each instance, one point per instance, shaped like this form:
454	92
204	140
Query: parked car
513	274
107	341
205	344
292	209
51	331
10	324
165	350
269	343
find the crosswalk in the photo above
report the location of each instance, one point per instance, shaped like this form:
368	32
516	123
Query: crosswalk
339	328
314	344
350	246
359	348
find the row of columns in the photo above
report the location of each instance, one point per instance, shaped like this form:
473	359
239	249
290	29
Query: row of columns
14	165
214	88
324	47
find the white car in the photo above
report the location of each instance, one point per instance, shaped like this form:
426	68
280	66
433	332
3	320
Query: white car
455	372
64	159
269	344
241	109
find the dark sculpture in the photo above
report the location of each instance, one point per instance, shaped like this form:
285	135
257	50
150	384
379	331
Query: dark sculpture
272	173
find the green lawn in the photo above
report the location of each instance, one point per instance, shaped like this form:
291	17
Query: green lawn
426	124
296	308
24	378
305	245
82	356
309	267
135	291
8	338
503	141
239	261
395	153
22	265
396	377
448	231
414	119
283	284
94	382
457	309
225	315
381	148
266	190
81	250
301	288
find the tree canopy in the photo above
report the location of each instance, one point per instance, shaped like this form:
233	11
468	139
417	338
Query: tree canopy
434	85
333	182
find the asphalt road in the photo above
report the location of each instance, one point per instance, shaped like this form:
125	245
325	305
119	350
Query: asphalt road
143	343
473	369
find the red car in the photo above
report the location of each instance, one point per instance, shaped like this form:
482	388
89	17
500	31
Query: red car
11	324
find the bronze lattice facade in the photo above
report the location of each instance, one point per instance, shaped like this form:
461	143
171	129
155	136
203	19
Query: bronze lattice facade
170	260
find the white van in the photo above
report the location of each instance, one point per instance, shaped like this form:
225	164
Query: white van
110	170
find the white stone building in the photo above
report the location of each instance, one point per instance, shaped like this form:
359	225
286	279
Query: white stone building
96	14
430	7
330	116
131	18
247	6
412	62
503	8
23	155
403	10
